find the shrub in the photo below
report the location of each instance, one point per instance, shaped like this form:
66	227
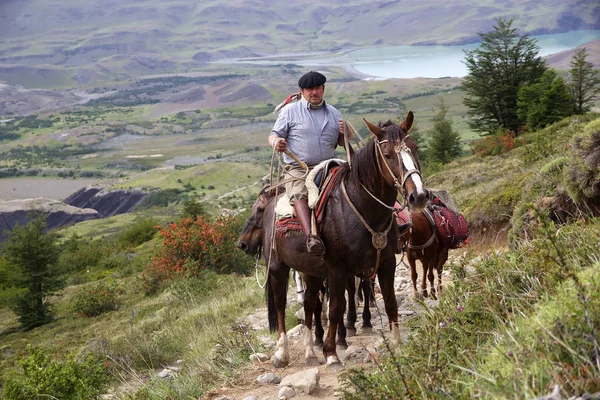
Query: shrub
138	232
44	378
79	254
96	299
192	245
495	144
583	175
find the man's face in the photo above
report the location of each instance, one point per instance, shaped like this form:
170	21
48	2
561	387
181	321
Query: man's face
313	95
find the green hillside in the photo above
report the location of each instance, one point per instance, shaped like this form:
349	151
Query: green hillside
184	319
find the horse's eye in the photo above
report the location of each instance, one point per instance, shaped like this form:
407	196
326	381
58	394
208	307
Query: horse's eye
388	156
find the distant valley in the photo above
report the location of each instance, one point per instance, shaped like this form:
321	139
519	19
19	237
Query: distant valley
51	43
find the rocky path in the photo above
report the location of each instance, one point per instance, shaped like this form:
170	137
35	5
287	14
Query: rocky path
261	381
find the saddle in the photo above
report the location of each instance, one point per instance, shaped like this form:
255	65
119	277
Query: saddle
319	182
450	226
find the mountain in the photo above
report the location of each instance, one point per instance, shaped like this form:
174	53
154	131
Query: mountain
69	42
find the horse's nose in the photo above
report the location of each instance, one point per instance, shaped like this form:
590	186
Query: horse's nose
242	246
418	200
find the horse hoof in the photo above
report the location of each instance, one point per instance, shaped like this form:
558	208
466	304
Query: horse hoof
279	363
342	345
311	361
350	332
319	343
335	366
367	329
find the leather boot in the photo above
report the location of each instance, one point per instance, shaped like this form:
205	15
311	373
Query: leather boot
314	244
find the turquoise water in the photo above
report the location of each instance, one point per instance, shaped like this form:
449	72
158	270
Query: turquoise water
440	61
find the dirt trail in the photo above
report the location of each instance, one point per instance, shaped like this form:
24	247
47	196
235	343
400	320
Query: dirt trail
329	385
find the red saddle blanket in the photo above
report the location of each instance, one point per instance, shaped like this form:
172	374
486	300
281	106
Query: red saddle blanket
292	225
451	227
288	226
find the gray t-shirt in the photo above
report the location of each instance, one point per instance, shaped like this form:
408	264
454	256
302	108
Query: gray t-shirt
311	135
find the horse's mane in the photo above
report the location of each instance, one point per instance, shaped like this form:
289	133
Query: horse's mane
364	162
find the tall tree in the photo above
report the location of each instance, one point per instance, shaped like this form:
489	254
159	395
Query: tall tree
546	102
503	63
585	81
444	142
33	254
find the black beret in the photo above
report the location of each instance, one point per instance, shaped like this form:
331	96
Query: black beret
311	79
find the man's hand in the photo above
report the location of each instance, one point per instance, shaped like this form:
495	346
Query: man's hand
280	145
343	129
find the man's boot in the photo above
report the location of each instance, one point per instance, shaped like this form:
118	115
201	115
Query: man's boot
314	244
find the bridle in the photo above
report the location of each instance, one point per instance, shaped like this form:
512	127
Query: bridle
405	156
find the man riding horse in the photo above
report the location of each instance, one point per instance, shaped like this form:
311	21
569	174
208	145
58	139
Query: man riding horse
311	129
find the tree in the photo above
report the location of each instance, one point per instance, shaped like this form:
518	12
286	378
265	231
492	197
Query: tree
192	209
497	69
546	102
32	254
444	142
585	81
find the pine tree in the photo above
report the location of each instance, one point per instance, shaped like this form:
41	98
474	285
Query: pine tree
585	81
444	142
32	253
545	102
497	69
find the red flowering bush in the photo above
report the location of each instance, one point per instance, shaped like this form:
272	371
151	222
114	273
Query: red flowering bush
191	245
495	144
96	299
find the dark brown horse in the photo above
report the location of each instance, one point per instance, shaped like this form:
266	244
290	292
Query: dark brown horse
251	241
420	243
356	229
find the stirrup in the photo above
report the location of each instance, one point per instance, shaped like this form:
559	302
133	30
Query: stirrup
315	246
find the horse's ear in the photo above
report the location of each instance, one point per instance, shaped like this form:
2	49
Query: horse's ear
375	130
408	122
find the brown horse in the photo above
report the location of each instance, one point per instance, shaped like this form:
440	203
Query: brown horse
251	241
421	243
356	229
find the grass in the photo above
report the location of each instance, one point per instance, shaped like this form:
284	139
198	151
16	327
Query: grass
512	325
184	322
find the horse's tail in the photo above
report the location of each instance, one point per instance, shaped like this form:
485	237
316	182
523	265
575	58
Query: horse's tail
273	325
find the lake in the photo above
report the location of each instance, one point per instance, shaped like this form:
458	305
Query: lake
411	61
439	61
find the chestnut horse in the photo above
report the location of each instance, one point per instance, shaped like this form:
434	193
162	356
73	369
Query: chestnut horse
421	243
356	230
